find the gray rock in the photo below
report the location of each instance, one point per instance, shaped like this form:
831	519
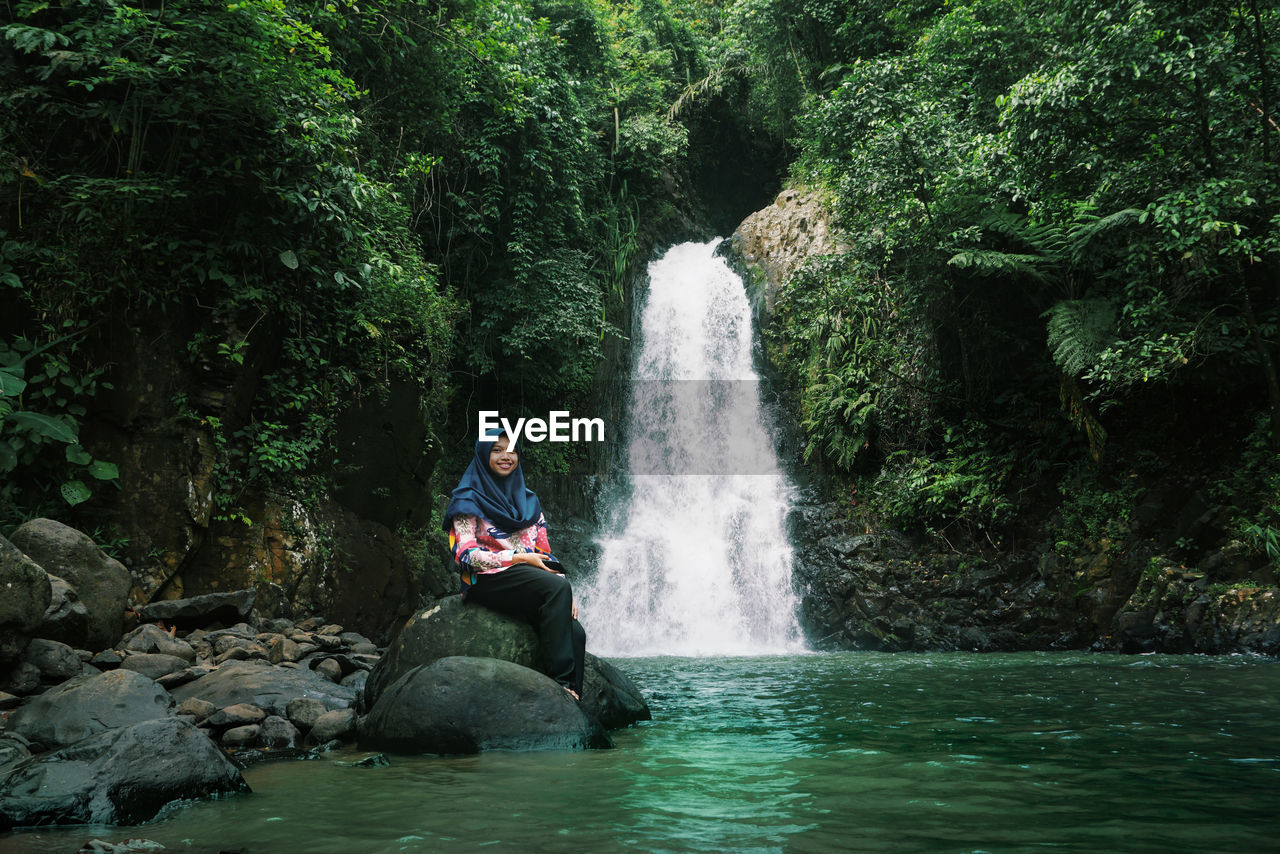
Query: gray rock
24	597
121	776
269	688
151	638
239	714
340	723
454	628
101	582
354	638
356	680
200	611
9	701
13	749
276	732
107	659
241	653
66	619
282	649
169	681
466	705
153	665
451	627
304	712
56	661
241	736
329	669
23	679
197	708
86	705
610	697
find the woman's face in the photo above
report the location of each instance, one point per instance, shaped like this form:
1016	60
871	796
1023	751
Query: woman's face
502	461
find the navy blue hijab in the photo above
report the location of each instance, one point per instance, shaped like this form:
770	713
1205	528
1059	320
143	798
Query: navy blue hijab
504	501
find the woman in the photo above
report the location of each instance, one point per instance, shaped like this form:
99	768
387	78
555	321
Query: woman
499	540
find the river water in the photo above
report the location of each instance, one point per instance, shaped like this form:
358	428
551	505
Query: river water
827	752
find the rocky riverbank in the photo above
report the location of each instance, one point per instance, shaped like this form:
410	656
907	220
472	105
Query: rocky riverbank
871	590
175	707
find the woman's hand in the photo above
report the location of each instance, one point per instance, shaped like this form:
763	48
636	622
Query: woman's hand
530	558
574	612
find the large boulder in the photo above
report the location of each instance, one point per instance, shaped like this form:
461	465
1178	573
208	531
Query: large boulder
269	688
24	597
101	582
56	661
121	776
86	705
454	628
463	704
66	619
198	612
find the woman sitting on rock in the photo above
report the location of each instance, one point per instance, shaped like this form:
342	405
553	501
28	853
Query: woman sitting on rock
499	540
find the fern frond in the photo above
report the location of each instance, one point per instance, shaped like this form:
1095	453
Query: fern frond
1084	232
1079	330
997	263
713	83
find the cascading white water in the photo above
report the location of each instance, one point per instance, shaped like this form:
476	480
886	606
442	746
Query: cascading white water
696	561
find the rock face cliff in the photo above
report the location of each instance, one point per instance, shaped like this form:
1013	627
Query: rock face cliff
867	588
772	242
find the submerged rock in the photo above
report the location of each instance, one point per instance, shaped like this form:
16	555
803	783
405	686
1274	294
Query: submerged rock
464	704
87	705
121	776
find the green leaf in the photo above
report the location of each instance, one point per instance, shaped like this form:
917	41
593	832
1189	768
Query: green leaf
74	492
8	458
78	455
44	425
11	384
289	259
104	471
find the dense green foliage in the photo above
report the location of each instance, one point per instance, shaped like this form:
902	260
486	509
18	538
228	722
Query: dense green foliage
322	199
1063	223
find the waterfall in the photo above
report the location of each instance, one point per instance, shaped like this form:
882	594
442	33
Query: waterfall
694	556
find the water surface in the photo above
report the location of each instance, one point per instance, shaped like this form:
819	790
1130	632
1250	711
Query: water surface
849	751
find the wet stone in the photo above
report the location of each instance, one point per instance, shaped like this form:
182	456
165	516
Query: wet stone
303	712
277	732
241	736
340	723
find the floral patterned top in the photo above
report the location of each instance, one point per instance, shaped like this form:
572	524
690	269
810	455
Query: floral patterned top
480	548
